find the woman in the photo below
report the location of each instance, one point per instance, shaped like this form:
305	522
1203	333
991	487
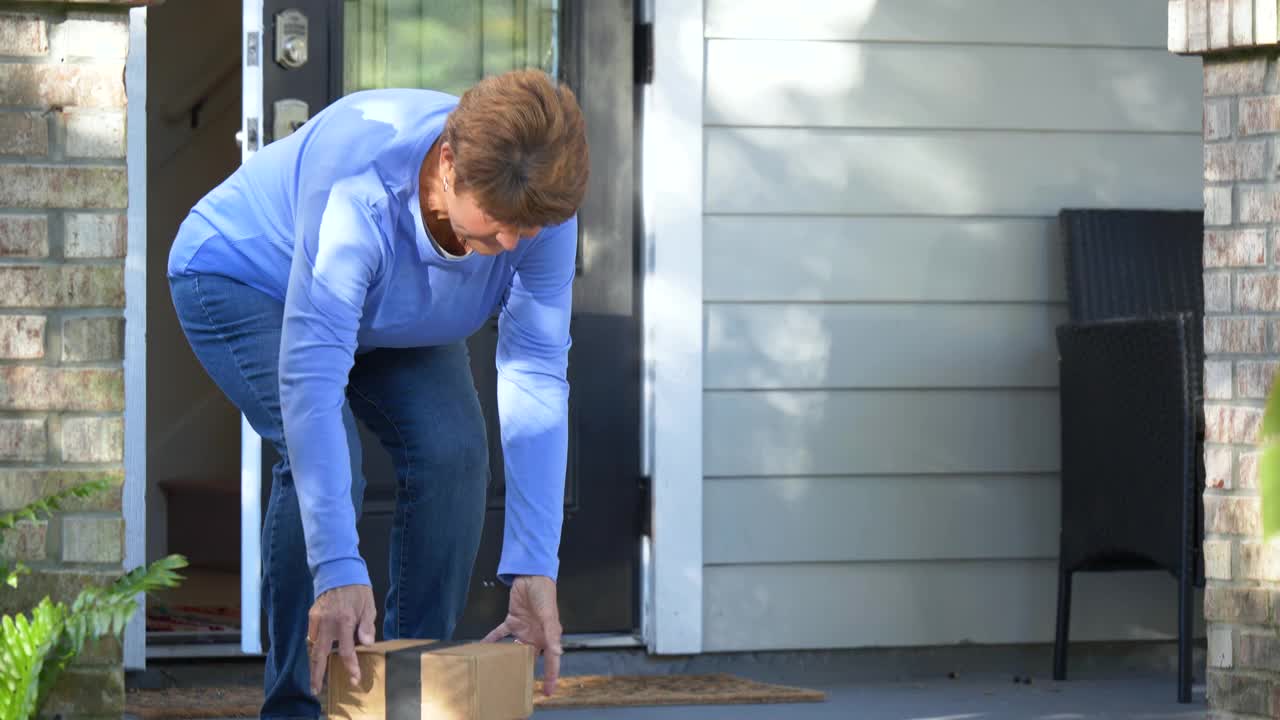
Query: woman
335	276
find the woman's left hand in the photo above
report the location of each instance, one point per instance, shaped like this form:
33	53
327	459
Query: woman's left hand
534	619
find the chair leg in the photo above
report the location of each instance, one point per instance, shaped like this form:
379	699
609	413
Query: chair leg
1184	638
1185	579
1064	624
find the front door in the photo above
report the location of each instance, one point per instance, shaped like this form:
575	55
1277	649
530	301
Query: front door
314	51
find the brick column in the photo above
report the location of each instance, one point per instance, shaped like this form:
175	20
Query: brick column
1237	40
63	197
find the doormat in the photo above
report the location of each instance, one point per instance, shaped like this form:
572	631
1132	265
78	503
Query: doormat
232	701
600	691
191	618
585	691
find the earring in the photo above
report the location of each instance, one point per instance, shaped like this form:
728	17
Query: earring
446	184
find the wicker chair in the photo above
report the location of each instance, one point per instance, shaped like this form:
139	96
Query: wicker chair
1131	360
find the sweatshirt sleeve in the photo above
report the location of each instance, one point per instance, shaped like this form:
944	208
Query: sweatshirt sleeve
533	400
338	251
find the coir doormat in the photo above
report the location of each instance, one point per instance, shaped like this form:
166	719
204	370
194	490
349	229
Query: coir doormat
585	691
597	691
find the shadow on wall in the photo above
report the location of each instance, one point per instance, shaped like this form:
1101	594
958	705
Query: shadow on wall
883	274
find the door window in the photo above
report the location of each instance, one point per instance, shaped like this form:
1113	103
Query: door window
446	45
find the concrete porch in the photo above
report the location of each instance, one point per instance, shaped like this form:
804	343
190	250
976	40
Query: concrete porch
1130	680
996	699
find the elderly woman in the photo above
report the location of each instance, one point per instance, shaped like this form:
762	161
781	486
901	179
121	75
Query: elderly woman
336	275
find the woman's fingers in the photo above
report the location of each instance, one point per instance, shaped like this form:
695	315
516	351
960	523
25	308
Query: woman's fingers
334	618
551	667
499	633
549	619
321	642
365	633
347	648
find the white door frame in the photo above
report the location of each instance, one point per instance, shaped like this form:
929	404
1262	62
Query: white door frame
672	197
134	493
250	137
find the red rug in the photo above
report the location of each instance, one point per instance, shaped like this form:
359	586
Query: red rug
192	619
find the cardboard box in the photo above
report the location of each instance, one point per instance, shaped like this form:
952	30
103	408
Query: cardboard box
428	680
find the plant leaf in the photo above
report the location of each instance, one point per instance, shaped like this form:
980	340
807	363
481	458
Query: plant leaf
1271	415
46	506
24	645
35	650
10	575
1269	462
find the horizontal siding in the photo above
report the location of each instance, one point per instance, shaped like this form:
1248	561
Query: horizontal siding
762	607
808	171
894	259
1121	23
847	519
882	280
949	86
881	346
856	432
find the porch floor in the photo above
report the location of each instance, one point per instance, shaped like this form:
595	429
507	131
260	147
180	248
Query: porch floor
1130	681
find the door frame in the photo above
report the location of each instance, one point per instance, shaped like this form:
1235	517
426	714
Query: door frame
134	492
672	343
250	138
671	186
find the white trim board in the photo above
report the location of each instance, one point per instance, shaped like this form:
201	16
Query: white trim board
672	191
250	443
134	491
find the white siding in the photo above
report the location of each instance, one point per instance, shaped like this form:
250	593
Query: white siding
1108	23
824	605
832	432
876	518
969	86
798	259
892	345
882	278
944	172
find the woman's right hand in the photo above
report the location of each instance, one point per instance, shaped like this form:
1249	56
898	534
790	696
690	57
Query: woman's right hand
344	615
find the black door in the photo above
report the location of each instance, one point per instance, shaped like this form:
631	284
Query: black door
447	45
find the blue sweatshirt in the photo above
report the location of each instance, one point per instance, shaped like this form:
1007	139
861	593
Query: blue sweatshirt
327	220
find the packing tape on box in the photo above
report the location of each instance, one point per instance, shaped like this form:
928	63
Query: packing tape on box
404	679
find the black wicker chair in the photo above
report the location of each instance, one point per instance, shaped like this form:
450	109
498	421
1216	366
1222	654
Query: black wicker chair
1131	361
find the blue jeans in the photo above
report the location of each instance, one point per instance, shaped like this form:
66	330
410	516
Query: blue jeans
422	405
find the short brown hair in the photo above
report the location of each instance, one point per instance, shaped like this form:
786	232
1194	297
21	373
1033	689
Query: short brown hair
520	148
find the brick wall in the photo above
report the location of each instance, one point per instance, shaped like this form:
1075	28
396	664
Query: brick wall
62	242
1237	40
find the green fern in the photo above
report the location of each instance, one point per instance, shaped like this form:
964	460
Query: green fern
38	510
10	575
34	651
99	612
24	646
47	506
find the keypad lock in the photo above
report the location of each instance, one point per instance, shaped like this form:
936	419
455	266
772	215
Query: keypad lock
290	114
291	38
